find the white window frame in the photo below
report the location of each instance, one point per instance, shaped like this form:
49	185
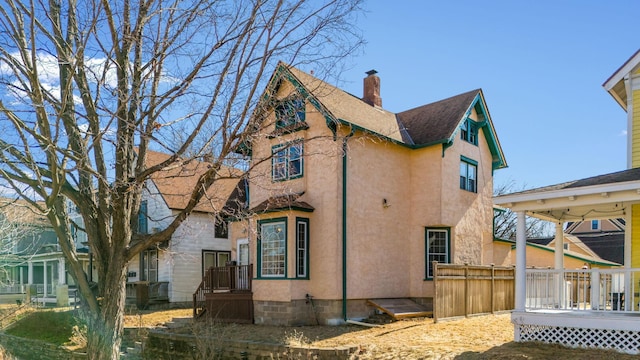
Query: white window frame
287	161
468	179
442	256
273	249
302	248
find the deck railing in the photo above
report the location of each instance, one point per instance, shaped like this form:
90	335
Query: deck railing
233	278
12	289
585	289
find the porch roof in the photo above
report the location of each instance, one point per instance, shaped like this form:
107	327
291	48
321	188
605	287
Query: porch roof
597	197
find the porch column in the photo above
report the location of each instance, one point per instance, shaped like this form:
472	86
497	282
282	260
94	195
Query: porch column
628	278
559	265
30	275
559	250
44	273
62	279
521	261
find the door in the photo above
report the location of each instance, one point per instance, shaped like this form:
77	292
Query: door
243	259
243	252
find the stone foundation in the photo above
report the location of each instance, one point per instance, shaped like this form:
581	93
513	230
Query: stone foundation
315	312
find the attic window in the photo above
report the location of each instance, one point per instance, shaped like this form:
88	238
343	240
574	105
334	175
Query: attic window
469	131
289	112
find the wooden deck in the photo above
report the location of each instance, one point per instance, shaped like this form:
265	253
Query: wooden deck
401	308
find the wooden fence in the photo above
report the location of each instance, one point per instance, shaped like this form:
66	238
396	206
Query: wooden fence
463	290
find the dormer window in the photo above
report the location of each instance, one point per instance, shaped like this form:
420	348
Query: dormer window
289	112
469	131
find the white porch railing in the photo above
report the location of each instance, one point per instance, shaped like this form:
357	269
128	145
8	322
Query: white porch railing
600	290
12	289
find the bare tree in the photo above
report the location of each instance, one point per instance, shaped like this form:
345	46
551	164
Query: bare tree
87	87
505	220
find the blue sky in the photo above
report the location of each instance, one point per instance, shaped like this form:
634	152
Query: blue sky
541	65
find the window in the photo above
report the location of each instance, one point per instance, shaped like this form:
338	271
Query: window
221	228
468	171
595	224
437	248
142	218
287	161
272	247
211	258
149	265
469	131
302	248
291	111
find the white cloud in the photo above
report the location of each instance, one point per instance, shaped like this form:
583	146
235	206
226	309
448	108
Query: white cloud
623	133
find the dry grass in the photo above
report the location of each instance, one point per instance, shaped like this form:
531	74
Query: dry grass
485	337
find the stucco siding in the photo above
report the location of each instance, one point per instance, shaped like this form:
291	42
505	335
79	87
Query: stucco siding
393	194
378	242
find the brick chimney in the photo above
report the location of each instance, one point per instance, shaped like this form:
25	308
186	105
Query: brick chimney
372	89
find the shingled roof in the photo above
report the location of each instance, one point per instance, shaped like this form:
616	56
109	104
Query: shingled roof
611	178
437	121
176	183
18	211
418	127
283	202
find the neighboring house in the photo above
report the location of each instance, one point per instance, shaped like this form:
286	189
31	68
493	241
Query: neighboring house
30	255
605	237
604	320
350	202
577	255
170	272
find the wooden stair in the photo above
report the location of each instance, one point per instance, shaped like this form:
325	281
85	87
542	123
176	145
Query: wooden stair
400	308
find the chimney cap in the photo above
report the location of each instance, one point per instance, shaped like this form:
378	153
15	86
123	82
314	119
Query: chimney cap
371	72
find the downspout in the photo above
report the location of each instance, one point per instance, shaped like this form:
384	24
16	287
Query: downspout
344	224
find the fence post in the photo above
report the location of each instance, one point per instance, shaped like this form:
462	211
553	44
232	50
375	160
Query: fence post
435	292
466	291
493	288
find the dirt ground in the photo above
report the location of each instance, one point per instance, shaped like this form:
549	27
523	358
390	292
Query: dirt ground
483	337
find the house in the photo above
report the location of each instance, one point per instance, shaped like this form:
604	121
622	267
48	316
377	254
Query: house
609	318
605	237
33	265
349	202
577	255
169	272
592	243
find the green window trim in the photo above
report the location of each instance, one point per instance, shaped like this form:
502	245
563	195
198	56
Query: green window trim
290	111
278	251
432	235
468	174
469	131
302	248
287	161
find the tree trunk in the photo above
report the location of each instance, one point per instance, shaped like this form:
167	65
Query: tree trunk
104	330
